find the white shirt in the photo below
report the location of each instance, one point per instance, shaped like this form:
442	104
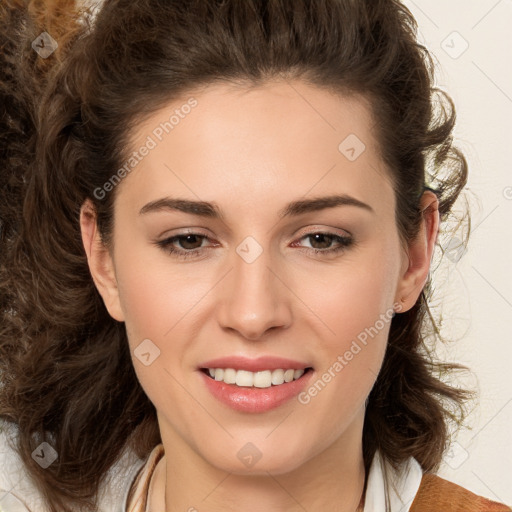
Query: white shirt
401	487
19	494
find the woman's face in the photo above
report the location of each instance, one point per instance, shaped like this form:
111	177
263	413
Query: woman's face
245	280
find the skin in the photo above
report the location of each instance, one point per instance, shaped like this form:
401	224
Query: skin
252	151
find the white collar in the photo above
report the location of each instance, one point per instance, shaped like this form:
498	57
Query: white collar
401	488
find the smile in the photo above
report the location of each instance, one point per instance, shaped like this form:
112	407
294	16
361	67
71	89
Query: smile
260	379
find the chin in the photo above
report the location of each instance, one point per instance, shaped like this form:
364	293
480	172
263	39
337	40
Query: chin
249	460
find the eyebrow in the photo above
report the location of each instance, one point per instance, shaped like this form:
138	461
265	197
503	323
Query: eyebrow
293	209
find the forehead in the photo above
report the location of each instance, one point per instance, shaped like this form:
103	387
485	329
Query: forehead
285	138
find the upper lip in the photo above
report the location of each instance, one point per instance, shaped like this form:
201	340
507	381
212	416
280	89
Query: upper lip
254	365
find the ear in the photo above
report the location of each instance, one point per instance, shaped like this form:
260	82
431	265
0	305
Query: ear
416	264
100	261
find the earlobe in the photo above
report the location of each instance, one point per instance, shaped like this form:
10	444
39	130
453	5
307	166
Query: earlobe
100	261
416	267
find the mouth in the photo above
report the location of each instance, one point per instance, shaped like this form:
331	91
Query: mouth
260	379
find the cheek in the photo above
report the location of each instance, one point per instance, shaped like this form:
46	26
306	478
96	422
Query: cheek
356	308
154	293
361	326
354	298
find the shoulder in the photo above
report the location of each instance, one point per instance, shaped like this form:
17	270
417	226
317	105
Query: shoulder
18	492
436	493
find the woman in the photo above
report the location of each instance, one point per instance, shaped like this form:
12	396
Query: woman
218	219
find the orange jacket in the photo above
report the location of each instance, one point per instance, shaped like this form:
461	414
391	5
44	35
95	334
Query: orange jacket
436	494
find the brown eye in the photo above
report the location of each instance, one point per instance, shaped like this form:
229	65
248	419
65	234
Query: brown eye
321	240
190	241
321	243
187	245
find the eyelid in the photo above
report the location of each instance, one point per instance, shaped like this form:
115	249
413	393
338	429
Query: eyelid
311	230
166	235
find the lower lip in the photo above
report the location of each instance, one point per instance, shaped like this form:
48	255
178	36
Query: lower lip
252	399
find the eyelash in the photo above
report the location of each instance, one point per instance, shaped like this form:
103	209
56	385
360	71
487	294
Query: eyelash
167	244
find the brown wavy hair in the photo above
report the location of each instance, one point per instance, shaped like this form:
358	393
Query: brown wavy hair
66	373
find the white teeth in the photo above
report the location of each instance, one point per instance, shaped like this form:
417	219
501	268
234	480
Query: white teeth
229	376
288	375
262	379
297	374
244	378
277	377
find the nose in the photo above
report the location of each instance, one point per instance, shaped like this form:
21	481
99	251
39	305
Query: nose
254	299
